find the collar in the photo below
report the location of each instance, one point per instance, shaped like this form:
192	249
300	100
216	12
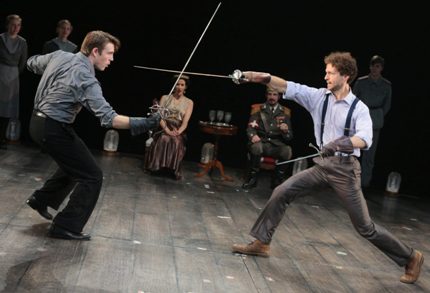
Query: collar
349	99
267	106
87	62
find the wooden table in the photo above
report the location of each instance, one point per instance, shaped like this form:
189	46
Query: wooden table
217	130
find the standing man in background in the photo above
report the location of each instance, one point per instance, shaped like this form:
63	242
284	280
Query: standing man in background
375	91
61	41
13	55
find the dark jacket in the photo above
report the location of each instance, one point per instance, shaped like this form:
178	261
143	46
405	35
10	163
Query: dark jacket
265	124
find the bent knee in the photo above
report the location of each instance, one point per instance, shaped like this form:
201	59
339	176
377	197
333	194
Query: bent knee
256	149
96	176
284	192
99	175
366	231
285	153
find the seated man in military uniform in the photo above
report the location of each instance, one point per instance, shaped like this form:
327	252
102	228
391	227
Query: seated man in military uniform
269	130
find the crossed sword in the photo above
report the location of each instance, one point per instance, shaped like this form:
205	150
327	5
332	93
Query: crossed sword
236	76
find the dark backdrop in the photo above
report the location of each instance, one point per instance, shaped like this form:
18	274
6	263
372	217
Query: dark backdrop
285	38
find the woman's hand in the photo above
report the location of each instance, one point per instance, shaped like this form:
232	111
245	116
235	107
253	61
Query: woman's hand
173	132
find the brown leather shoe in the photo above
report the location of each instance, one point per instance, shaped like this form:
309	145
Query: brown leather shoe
256	247
413	268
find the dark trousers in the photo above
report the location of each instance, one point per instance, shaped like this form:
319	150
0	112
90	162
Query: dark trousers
368	160
3	128
343	175
280	152
78	173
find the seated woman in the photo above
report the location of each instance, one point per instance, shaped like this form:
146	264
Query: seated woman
168	148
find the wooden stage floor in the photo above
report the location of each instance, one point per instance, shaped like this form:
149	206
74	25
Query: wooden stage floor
156	234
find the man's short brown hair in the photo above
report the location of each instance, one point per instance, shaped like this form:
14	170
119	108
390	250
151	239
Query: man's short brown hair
99	40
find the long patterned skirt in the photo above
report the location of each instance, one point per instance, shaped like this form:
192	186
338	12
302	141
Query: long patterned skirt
166	152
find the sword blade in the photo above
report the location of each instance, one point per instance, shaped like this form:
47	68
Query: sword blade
298	159
178	71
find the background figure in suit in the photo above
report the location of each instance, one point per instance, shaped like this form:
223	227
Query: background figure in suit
13	55
375	91
269	130
168	148
61	42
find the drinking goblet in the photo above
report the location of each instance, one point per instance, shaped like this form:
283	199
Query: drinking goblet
227	117
212	116
219	115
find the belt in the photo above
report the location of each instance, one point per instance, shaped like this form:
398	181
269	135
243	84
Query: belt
344	156
340	154
39	114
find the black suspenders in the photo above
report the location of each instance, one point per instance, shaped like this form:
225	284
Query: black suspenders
348	118
324	111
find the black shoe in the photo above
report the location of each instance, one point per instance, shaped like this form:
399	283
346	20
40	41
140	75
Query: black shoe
39	207
251	183
57	232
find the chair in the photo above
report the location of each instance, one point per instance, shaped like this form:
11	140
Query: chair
268	163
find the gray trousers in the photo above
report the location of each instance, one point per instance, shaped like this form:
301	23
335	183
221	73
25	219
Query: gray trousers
343	175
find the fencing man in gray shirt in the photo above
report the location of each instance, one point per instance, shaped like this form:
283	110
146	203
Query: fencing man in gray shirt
68	83
342	126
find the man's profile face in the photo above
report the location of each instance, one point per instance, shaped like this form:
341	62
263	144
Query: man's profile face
104	58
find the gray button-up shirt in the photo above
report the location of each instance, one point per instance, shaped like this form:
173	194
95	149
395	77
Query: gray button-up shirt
68	82
312	99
